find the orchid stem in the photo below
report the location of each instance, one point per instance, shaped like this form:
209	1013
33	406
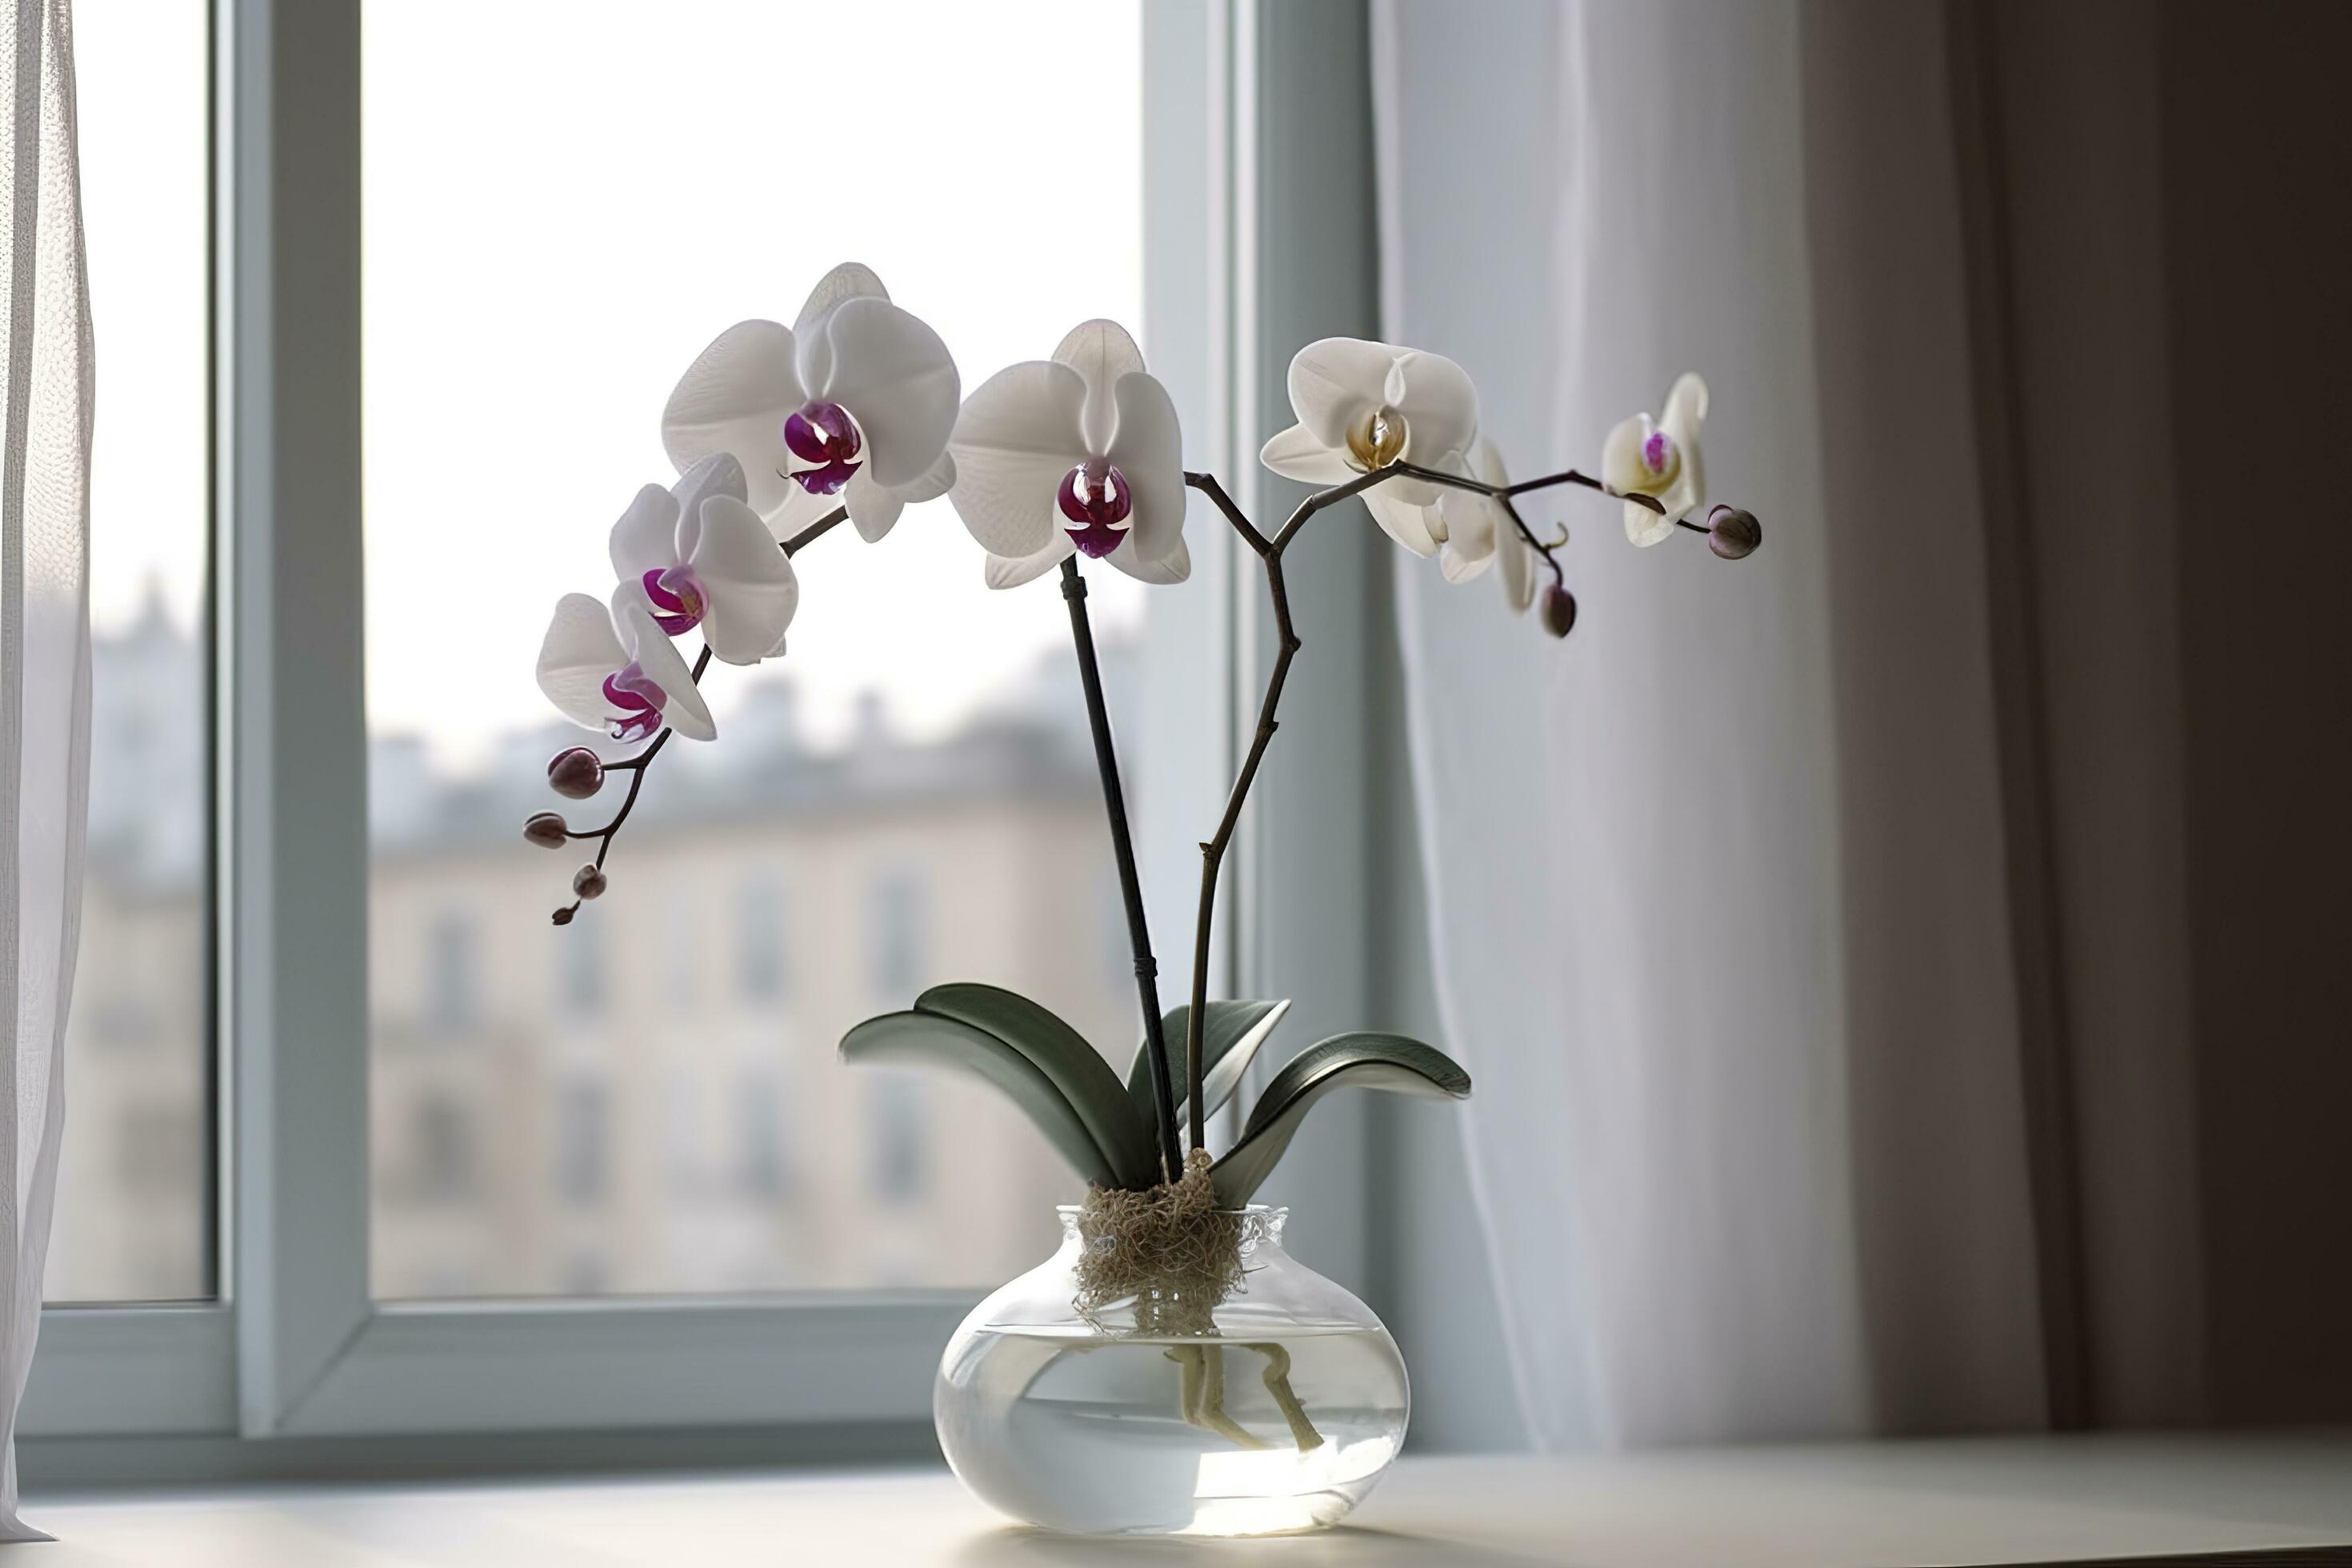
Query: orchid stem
636	766
1269	552
1130	884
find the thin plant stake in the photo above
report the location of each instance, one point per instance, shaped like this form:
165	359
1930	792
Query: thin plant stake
1131	886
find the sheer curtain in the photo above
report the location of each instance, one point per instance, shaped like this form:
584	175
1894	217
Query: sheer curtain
1632	839
44	659
1870	1007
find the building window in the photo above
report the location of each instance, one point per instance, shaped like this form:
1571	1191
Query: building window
580	979
759	940
897	1137
682	948
586	1274
157	1150
442	1144
453	992
682	1140
584	1143
761	1167
897	936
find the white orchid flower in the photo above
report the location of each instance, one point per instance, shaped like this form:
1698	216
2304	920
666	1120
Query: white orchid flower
851	405
1479	532
1078	454
1362	405
1659	460
705	559
614	670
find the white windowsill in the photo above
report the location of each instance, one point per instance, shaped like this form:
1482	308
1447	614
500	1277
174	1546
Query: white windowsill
1990	1501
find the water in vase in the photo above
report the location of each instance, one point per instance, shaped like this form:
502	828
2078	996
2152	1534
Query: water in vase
1158	1436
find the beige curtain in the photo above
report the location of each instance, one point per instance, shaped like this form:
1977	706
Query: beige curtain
1898	968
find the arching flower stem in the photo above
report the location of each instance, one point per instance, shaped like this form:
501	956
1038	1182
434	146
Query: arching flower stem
643	759
1269	552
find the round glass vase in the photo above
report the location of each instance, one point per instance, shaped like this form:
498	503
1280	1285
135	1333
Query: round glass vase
1278	1415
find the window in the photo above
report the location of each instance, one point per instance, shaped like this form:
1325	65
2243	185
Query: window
442	1154
760	1171
682	955
133	1219
161	1151
916	779
452	988
583	1143
898	1135
759	940
582	978
895	964
915	766
685	1153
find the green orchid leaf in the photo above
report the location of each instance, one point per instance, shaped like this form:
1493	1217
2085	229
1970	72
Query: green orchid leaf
1358	1060
1231	1038
935	1040
1128	1140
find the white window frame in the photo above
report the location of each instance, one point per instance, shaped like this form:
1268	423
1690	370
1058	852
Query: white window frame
1258	238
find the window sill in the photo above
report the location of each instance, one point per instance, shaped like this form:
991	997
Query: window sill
1992	1500
506	1366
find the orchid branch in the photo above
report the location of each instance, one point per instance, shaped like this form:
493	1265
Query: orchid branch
1269	552
593	874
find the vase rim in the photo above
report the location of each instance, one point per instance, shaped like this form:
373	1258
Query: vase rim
1276	1210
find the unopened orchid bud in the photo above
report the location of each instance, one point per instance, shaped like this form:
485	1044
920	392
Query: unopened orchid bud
575	773
588	881
1732	533
546	829
563	916
1558	610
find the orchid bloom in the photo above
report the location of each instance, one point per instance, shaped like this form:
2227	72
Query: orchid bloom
705	559
616	671
1363	406
1080	454
1659	460
851	406
1479	532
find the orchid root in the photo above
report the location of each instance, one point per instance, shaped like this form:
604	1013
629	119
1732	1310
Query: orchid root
1202	1393
1278	1383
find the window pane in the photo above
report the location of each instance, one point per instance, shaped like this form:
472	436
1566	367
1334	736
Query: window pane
557	218
134	1183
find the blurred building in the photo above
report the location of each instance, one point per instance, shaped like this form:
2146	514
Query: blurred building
647	1100
134	1176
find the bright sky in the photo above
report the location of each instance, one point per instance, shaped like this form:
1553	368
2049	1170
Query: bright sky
140	90
564	201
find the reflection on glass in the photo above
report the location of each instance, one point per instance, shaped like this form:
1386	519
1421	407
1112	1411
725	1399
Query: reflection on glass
650	1096
134	1187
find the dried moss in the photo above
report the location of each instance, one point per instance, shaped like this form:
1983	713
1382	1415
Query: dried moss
1169	1250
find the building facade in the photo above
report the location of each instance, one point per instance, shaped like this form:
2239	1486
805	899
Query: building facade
647	1099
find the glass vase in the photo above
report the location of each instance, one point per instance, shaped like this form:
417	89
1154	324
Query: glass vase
1278	1410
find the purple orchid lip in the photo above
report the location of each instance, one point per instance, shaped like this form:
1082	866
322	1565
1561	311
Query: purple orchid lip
637	701
827	481
1096	497
824	435
1657	452
677	598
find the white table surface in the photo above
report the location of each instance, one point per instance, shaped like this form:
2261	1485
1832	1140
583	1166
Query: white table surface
2004	1500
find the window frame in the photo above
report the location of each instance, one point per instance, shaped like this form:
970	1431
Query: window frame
1258	236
